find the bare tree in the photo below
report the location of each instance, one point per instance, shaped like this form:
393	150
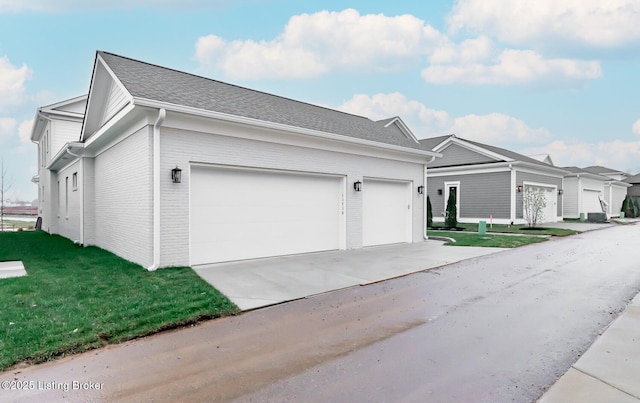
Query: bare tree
534	204
5	186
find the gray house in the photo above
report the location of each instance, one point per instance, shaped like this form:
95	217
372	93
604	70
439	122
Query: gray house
634	190
166	168
489	182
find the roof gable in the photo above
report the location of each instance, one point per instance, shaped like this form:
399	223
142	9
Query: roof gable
167	87
70	109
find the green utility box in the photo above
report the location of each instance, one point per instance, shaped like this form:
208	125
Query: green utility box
582	217
482	227
622	214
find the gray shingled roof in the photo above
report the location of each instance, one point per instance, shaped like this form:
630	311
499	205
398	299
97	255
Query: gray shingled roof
148	81
633	179
430	143
599	169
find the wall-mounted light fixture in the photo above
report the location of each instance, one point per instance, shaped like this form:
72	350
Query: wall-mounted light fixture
421	189
560	192
357	186
519	188
440	192
176	175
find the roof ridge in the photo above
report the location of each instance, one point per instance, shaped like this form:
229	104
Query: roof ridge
233	85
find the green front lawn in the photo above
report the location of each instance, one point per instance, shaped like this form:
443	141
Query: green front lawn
75	299
487	240
514	229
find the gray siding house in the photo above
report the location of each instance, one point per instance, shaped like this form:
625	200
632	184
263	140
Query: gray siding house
634	190
168	168
489	182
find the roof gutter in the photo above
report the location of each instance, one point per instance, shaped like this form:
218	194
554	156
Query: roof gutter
279	126
162	114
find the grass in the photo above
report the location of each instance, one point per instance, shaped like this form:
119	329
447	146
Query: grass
516	229
488	240
75	299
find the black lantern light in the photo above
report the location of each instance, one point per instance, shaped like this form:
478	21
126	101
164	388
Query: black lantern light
357	186
176	175
519	188
560	191
421	189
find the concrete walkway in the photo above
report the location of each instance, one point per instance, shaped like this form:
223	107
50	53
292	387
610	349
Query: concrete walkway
610	370
12	269
256	283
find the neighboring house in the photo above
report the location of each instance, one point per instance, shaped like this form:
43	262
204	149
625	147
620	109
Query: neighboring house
634	189
489	182
546	158
615	189
173	169
54	127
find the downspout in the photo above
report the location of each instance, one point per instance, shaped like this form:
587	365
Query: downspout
424	201
162	114
81	194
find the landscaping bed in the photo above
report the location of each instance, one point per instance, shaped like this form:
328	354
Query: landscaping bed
75	299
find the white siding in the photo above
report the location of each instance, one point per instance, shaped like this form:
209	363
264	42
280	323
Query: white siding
181	147
68	218
116	99
123	208
570	198
614	196
63	132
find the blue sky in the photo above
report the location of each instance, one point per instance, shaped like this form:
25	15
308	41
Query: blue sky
553	77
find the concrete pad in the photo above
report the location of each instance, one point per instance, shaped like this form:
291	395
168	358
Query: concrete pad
255	283
577	387
614	357
577	225
12	269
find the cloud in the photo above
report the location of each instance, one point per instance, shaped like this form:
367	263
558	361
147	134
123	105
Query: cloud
493	128
477	62
616	154
7	127
592	23
314	44
636	127
24	133
48	6
12	79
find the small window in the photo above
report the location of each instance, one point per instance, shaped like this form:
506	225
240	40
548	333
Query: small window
74	181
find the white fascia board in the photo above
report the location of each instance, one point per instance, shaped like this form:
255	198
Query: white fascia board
403	127
107	126
540	169
472	147
53	108
60	160
589	175
279	126
101	62
469	169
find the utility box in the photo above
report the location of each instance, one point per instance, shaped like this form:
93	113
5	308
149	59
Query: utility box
582	218
597	217
482	227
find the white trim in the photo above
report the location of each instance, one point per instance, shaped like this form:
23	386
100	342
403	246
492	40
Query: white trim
162	114
512	205
471	147
279	126
455	184
403	127
471	170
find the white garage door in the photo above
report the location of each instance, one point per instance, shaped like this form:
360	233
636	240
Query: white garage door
550	211
591	201
386	212
244	214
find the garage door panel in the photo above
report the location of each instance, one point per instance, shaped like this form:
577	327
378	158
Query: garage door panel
550	211
386	212
243	214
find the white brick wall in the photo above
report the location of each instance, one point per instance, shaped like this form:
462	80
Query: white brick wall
123	196
68	216
181	147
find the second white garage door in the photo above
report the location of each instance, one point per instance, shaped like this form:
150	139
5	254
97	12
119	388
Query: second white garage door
241	214
591	201
386	212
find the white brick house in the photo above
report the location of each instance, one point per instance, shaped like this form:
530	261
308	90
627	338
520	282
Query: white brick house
261	175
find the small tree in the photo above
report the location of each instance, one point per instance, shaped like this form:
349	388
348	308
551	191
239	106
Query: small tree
451	217
534	203
636	207
5	186
429	213
627	207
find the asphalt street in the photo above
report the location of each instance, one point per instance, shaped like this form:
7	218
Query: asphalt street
497	328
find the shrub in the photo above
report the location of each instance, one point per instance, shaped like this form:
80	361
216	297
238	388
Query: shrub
534	204
628	207
429	213
451	217
636	208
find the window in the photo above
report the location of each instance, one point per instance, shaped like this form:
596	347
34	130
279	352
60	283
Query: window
74	181
66	197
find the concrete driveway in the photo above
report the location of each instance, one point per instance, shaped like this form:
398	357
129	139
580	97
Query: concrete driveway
256	283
